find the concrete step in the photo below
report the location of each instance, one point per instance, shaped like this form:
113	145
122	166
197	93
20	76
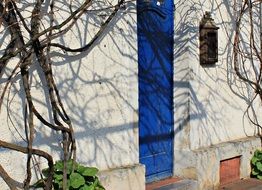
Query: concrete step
184	184
173	184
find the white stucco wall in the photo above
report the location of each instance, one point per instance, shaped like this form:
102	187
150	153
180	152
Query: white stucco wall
207	108
99	89
209	102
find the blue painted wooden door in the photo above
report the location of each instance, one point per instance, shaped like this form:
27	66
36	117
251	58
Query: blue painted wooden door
155	59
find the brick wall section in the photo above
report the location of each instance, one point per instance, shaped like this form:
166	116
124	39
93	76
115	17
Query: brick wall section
229	170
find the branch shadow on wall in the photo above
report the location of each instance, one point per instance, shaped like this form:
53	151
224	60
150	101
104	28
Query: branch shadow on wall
204	95
98	88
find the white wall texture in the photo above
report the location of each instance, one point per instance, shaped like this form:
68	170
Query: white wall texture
210	102
99	89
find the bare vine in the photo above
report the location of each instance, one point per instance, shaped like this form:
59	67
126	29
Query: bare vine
32	45
247	52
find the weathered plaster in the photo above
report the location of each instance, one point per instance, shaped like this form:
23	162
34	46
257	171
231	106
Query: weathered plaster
99	89
127	178
209	102
203	164
207	108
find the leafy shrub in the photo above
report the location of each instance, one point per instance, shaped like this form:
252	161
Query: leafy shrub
256	164
82	178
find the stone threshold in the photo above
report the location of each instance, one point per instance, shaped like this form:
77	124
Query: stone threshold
162	183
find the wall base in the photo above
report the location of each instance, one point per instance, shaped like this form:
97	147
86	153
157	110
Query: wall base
203	164
127	178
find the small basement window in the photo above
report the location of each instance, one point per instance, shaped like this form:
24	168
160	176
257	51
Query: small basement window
229	170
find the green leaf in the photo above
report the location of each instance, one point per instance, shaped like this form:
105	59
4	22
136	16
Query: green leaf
58	184
258	154
96	181
259	176
254	160
96	185
255	172
69	166
59	165
84	178
80	169
58	176
68	185
76	180
259	166
100	186
87	187
87	171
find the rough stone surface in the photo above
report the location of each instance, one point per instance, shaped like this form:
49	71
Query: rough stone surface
181	185
247	184
127	178
203	164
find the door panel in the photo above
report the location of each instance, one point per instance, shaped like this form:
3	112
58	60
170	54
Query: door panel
155	59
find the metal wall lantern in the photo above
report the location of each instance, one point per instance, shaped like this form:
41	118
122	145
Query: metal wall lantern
208	40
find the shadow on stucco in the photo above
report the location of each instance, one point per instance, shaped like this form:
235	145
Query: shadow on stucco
98	88
206	97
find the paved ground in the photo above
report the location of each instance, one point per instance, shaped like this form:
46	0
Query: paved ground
178	184
247	184
173	184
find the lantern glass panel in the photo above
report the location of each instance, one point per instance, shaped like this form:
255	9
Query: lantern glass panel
212	45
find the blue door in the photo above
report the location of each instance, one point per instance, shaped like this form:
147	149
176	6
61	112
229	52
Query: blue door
155	59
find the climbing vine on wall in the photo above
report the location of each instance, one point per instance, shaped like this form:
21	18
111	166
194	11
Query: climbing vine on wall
31	42
247	54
